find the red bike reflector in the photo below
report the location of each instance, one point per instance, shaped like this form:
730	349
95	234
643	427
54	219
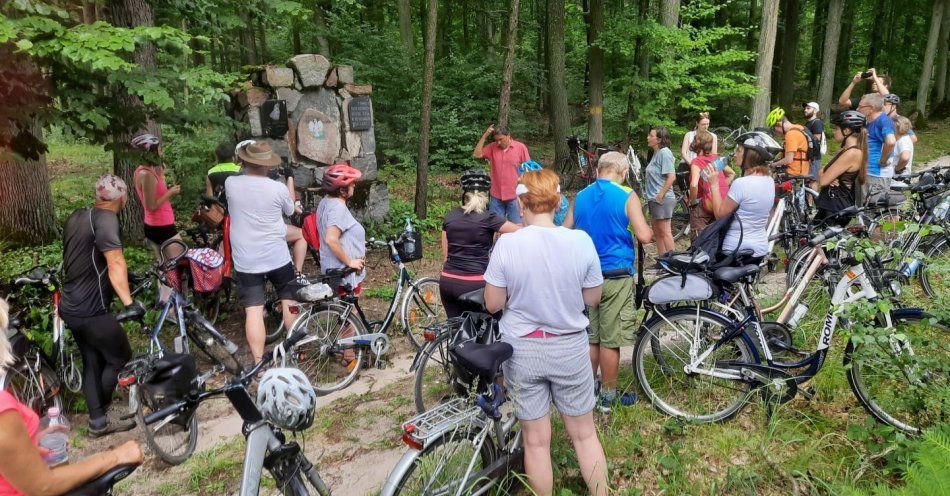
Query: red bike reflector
301	357
786	186
428	335
294	309
411	442
127	380
856	229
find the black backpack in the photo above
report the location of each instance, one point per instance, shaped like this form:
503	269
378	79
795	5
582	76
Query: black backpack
711	238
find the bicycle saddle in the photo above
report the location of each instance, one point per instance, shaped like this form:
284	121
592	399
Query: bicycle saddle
483	360
475	298
733	274
103	484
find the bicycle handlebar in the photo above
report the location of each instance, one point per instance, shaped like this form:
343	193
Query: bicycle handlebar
828	234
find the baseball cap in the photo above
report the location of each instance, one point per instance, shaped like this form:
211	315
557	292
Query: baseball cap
813	105
110	187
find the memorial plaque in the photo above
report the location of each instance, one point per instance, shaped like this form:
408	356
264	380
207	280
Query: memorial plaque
274	118
361	114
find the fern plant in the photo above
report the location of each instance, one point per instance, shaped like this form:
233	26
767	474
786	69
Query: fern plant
928	473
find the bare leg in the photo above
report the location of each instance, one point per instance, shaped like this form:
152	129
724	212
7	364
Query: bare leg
595	358
289	318
662	229
609	366
254	330
537	454
590	454
299	249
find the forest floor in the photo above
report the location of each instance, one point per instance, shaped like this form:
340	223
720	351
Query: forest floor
804	447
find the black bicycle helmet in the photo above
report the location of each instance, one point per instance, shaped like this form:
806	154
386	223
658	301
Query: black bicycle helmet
892	99
761	143
850	119
475	180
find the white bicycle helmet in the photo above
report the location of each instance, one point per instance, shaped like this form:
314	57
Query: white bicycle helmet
145	141
286	398
242	144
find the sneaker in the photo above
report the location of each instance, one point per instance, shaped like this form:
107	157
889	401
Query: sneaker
625	399
105	426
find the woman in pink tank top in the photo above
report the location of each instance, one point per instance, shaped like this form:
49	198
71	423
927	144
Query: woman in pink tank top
22	468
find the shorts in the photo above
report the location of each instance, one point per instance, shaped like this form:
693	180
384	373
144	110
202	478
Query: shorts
699	218
451	288
250	287
613	321
813	169
876	188
543	370
662	211
506	209
160	234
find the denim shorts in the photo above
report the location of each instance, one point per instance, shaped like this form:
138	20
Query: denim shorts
506	209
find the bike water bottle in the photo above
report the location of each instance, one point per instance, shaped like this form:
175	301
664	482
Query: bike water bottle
940	213
722	162
410	241
54	437
800	311
910	268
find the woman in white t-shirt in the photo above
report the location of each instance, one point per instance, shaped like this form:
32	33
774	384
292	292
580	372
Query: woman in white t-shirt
543	294
686	149
902	159
751	197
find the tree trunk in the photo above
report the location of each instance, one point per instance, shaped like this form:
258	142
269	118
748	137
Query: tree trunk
319	22
89	14
817	37
875	35
942	56
262	37
128	14
559	111
595	55
509	72
789	54
405	28
422	170
750	22
830	56
249	52
844	46
542	52
670	13
466	14
763	65
295	38
923	91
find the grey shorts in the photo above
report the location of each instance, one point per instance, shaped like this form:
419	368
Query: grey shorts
876	188
662	211
543	370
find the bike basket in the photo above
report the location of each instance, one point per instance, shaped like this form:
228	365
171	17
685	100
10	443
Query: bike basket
207	269
409	240
681	287
209	215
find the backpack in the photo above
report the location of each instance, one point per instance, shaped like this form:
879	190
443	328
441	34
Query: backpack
814	150
710	240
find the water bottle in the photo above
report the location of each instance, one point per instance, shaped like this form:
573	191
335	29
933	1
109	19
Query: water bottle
800	311
910	268
940	213
54	437
410	240
722	161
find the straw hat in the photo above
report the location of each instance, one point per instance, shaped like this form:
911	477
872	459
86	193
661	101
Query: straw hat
259	153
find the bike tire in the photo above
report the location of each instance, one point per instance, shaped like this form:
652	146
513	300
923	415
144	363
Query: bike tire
328	370
883	397
273	316
38	389
435	377
935	285
70	372
678	399
209	304
421	307
725	138
430	462
201	334
176	441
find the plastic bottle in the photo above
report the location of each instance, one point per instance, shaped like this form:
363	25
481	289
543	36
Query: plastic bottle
54	437
410	240
910	268
800	311
940	212
720	163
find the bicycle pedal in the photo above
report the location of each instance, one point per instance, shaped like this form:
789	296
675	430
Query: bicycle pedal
808	392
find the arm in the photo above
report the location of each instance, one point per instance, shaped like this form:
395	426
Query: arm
730	174
208	189
445	246
721	206
477	152
569	218
118	275
845	98
22	466
684	149
670	179
639	223
841	166
291	189
495	298
332	239
884	90
787	157
715	150
693	183
887	148
902	161
149	184
509	226
592	295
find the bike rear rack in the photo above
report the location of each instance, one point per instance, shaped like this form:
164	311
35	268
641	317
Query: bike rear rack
441	419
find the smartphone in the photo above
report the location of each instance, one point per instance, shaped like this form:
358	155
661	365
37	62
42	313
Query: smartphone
866	75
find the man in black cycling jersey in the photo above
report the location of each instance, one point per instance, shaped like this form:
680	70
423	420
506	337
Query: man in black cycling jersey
214	181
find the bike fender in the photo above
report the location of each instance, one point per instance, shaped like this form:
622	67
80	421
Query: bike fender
399	471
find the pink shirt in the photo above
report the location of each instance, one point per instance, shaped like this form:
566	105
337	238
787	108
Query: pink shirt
504	167
705	189
32	421
163	215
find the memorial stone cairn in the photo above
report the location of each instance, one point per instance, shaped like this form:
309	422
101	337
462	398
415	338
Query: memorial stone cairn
314	115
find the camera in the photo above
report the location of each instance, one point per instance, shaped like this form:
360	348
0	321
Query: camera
866	75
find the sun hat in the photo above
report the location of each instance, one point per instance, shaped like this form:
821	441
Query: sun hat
259	153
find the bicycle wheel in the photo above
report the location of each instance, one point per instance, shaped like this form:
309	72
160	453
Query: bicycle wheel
209	304
421	306
70	370
329	368
663	349
37	388
173	438
435	378
273	316
726	138
904	382
202	334
680	221
441	466
935	281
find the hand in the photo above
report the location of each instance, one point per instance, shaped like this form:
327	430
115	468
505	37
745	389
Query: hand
834	183
857	78
490	129
129	452
174	190
873	73
712	174
356	263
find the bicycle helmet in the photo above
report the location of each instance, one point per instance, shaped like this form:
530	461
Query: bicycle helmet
340	176
475	180
892	99
762	143
775	116
146	142
241	145
528	165
286	398
850	119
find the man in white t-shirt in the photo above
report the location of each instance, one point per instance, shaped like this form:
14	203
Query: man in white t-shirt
257	206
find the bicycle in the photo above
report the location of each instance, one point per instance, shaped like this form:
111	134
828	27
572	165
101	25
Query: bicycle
466	445
727	136
687	355
103	485
65	354
266	445
582	160
32	378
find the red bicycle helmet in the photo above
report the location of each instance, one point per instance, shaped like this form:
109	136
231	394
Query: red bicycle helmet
340	176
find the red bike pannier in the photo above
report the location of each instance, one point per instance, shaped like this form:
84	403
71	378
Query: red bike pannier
310	233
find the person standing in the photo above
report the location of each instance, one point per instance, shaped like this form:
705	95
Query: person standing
881	141
879	84
542	276
94	268
608	211
902	159
225	168
700	192
687	154
257	206
815	127
846	170
504	155
795	160
660	175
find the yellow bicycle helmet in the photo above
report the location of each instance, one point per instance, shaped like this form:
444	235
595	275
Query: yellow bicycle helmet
776	115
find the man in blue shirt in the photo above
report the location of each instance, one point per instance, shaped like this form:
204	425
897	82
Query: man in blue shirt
881	142
608	212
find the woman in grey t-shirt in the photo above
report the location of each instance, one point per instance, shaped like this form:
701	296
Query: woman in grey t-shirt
342	238
660	176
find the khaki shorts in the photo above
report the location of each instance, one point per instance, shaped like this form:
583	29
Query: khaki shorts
613	322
